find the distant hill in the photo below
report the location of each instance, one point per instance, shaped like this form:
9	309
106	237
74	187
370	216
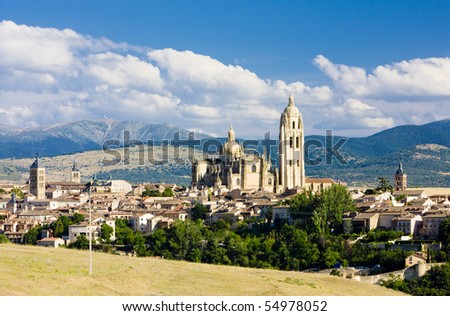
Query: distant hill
80	136
45	271
399	138
424	151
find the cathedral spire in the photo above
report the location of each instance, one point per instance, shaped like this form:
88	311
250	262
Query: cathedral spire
231	136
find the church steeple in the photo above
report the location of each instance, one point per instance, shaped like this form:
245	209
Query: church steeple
37	179
75	175
400	169
400	179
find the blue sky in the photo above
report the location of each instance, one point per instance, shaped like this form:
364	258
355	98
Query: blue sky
353	66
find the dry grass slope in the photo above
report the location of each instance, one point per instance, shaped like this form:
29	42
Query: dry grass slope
28	270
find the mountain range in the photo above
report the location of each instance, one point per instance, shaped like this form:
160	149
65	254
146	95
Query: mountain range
80	136
424	150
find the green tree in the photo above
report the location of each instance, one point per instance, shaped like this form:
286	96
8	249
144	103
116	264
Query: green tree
106	232
32	235
139	244
185	238
236	250
82	242
61	226
168	192
330	257
77	218
444	231
3	239
304	202
198	211
302	207
157	242
393	260
150	192
384	185
124	236
18	192
302	253
332	203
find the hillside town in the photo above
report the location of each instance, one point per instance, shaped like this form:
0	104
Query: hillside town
238	190
237	187
417	213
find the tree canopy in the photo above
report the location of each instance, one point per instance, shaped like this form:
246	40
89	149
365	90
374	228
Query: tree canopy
384	185
198	211
331	205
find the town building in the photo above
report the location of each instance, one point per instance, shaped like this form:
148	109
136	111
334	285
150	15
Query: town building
52	242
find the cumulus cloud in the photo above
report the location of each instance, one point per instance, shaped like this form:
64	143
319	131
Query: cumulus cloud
49	76
354	114
416	78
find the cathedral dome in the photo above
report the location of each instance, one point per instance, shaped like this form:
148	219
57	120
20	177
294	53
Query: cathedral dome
233	149
291	109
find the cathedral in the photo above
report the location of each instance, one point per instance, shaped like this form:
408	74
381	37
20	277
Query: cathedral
235	168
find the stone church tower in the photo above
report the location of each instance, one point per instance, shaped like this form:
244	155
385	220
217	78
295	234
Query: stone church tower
37	180
290	151
400	179
75	175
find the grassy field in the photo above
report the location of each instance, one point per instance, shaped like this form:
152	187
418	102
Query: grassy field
31	270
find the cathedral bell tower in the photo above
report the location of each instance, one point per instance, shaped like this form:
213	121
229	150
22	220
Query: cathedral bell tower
290	151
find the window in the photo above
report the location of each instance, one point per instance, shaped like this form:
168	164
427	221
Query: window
291	142
238	182
293	124
270	181
254	168
297	142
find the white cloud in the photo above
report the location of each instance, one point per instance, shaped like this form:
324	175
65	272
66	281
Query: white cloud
49	76
124	71
354	115
416	78
36	49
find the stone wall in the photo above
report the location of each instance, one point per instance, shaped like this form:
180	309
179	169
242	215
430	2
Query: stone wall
417	270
